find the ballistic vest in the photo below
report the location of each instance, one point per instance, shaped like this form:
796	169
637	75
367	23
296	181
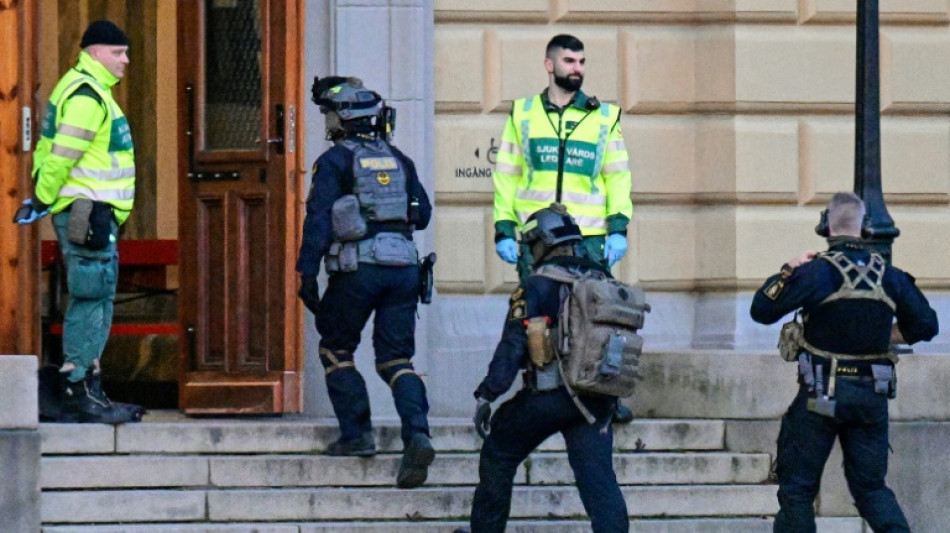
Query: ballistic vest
105	171
573	146
379	181
858	282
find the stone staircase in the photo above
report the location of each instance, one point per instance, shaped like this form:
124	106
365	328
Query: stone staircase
267	475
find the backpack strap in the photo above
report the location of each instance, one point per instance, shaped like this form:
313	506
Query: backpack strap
572	393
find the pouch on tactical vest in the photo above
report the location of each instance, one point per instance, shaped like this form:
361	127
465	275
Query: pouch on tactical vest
597	342
348	224
388	249
342	257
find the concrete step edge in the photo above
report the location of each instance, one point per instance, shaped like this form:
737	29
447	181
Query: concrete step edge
688	525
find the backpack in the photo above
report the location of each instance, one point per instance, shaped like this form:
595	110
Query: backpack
598	347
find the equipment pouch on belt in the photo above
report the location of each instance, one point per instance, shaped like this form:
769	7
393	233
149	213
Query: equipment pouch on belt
342	257
806	371
388	249
90	224
540	347
824	403
348	224
790	339
885	380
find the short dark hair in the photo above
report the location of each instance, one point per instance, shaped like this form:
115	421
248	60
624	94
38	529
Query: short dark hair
563	41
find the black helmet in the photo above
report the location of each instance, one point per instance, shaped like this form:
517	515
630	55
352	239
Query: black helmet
346	97
551	226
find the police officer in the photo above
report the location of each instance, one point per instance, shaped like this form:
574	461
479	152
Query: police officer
564	146
544	406
365	201
84	168
849	298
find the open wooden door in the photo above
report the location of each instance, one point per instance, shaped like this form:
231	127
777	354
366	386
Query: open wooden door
239	71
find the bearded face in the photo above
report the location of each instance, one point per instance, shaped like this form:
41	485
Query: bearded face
567	68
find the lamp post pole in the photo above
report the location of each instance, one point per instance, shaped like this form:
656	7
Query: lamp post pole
867	146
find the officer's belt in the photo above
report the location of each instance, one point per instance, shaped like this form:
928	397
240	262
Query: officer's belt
890	356
850	369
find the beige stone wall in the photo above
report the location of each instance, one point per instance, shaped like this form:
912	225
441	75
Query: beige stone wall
738	117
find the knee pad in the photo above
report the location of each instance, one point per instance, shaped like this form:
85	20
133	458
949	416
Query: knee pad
391	371
334	360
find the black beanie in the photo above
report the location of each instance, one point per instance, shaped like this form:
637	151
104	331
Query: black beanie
103	32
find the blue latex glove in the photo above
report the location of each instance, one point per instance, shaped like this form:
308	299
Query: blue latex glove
615	247
507	250
27	213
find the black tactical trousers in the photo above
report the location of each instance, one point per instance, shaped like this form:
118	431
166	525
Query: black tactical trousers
518	427
350	299
804	443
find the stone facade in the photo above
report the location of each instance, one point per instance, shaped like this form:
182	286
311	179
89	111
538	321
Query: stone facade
739	122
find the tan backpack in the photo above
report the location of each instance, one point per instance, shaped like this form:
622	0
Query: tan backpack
597	342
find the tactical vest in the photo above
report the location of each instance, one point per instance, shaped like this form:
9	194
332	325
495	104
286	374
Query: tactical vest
858	282
597	344
105	172
578	154
378	195
379	181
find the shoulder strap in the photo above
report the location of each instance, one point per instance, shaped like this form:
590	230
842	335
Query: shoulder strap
556	273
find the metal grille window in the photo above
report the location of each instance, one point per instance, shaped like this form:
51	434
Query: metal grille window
232	114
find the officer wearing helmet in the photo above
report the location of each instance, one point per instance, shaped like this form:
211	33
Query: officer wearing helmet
365	202
543	406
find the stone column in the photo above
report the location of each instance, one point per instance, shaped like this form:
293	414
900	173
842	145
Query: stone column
388	44
19	444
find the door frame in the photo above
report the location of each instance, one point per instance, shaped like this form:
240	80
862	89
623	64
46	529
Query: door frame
19	270
286	384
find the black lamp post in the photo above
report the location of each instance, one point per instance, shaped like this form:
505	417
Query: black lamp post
867	146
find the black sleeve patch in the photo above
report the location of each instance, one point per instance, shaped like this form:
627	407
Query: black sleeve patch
773	291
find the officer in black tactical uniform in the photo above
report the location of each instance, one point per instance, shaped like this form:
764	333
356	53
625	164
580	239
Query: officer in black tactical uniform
365	201
544	406
849	298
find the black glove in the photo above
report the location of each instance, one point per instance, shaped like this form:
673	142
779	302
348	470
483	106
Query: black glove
310	293
482	417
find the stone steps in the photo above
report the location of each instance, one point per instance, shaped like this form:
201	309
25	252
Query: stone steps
170	433
701	525
546	468
374	504
268	475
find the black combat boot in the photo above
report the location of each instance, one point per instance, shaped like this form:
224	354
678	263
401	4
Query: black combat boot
416	458
79	405
132	411
622	414
363	446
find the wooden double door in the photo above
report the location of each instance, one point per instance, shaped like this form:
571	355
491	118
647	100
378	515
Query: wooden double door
239	104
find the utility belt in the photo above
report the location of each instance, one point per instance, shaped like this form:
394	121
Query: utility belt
542	379
385	248
820	374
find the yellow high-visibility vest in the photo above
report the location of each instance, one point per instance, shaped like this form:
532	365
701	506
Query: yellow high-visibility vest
576	157
87	153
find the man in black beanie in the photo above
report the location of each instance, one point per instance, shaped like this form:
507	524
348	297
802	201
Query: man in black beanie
84	172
